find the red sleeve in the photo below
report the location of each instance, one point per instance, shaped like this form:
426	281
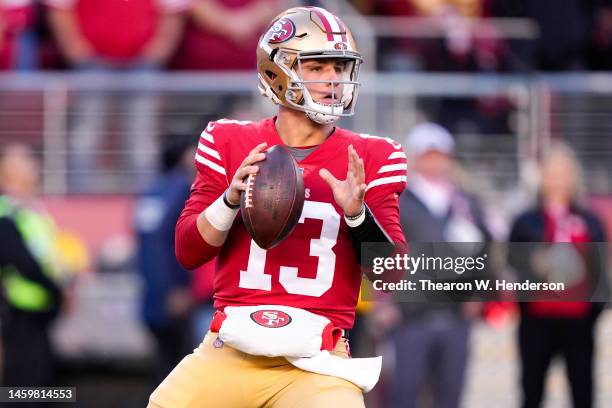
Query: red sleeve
386	212
386	179
211	181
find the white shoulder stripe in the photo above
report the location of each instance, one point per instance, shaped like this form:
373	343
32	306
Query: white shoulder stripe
386	180
234	122
209	151
207	136
397	155
210	164
393	167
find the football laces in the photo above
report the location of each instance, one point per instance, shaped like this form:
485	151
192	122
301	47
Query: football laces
248	193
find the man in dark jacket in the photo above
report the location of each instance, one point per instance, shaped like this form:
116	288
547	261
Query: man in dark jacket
431	342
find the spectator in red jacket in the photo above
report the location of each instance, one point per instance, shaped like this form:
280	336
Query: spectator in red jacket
108	36
222	34
116	33
16	16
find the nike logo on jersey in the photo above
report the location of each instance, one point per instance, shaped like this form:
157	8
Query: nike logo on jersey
210	127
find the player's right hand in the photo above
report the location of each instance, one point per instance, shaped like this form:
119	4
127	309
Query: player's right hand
246	167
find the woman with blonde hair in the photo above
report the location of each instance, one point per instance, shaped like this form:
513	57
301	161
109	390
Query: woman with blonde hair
563	328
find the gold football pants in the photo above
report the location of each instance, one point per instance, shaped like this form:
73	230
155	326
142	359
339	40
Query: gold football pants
223	377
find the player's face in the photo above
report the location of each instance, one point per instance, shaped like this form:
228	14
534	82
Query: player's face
326	71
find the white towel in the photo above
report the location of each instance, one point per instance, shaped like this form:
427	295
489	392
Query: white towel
273	330
363	372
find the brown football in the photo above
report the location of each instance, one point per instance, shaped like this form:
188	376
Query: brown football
272	203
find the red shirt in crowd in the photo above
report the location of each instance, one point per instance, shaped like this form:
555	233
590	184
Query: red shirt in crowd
564	226
205	50
118	29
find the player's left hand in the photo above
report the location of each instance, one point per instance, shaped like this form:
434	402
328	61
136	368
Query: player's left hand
348	193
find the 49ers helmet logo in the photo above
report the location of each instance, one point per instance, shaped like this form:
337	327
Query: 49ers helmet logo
282	30
271	318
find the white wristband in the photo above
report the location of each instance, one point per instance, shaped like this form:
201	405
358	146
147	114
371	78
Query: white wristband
220	215
357	221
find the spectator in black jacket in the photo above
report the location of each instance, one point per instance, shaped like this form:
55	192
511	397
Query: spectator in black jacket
565	327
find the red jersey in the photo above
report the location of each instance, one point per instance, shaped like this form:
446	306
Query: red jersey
315	267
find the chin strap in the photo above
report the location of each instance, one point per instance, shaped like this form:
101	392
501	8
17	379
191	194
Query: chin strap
321	118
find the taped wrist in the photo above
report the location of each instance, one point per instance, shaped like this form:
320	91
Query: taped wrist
220	215
356	220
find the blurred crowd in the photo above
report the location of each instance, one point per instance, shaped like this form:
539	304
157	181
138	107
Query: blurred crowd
430	341
459	35
138	35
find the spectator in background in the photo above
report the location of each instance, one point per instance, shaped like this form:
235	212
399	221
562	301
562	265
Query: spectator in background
600	42
566	328
222	34
564	32
431	337
116	34
461	48
31	294
16	18
456	38
168	303
134	36
461	45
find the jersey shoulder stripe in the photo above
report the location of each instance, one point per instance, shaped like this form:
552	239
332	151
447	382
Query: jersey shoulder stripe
214	166
387	161
214	142
207	153
387	180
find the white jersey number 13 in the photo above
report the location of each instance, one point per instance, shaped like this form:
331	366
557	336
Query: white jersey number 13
255	278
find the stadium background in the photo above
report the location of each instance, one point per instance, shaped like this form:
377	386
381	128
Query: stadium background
507	79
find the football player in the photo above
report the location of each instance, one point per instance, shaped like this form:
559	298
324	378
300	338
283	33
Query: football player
308	64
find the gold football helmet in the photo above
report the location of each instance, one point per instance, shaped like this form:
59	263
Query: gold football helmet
299	34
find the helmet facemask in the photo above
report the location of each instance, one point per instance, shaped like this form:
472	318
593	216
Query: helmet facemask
342	92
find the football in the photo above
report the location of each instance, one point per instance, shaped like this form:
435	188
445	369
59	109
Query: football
272	203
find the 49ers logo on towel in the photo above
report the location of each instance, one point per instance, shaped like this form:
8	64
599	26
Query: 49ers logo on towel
281	31
271	318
